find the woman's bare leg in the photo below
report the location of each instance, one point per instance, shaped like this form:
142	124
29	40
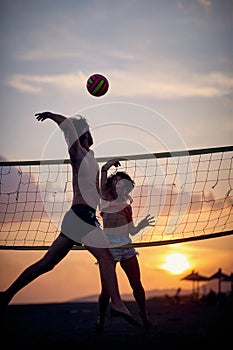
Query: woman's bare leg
110	284
132	270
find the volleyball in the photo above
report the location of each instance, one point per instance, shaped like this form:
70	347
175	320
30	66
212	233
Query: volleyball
97	85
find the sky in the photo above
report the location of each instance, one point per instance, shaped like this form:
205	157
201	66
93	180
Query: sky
169	65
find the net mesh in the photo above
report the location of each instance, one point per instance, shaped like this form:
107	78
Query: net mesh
188	192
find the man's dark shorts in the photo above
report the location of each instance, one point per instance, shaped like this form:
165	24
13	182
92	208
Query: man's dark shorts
78	221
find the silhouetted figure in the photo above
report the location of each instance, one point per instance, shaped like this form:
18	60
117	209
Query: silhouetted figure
117	225
80	225
177	296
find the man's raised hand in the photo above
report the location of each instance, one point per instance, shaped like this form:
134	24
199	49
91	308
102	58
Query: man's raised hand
42	116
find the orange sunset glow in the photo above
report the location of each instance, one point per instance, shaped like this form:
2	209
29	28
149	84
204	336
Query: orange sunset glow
176	263
169	67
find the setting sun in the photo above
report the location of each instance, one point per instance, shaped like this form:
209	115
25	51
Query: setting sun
176	263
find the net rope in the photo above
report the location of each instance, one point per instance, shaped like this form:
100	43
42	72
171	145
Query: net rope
188	192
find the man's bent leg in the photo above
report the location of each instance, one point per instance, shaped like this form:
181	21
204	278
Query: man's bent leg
58	250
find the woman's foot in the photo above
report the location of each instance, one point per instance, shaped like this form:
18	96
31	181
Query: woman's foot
100	326
146	322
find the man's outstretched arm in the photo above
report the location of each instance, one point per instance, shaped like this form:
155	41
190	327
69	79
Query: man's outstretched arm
67	127
57	118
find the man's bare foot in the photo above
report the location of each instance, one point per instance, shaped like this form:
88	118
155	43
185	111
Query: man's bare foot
4	301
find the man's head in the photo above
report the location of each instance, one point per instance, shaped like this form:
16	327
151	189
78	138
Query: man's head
82	129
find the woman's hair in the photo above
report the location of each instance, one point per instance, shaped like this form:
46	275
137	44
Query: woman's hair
129	184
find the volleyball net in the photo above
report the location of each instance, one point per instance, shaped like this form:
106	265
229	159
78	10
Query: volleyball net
189	193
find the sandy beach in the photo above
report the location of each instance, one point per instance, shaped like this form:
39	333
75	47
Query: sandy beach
187	324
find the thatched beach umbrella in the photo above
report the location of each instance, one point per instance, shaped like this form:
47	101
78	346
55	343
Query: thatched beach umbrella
195	277
220	276
229	279
200	278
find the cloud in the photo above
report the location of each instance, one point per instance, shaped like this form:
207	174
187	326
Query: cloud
205	3
47	55
2	158
23	83
143	84
172	86
35	84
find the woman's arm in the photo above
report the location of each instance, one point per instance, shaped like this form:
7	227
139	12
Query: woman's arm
104	176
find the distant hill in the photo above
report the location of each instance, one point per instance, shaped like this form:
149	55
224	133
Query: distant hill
128	297
203	289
